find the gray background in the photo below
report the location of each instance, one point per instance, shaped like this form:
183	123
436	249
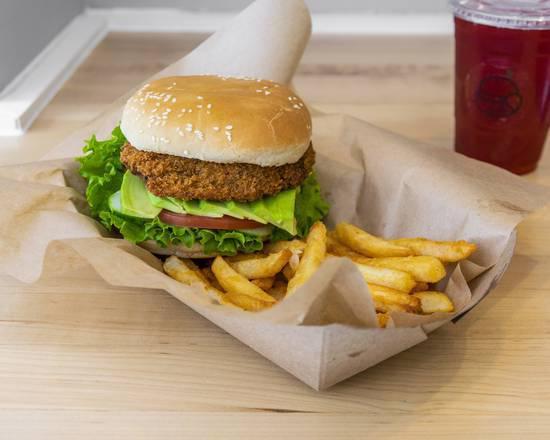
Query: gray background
27	26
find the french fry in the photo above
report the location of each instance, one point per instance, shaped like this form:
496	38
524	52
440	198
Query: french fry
288	272
389	300
209	275
334	247
184	271
278	291
420	287
246	302
263	266
294	261
367	244
296	246
244	257
234	282
383	276
264	283
432	302
382	319
395	279
187	272
446	251
424	269
314	254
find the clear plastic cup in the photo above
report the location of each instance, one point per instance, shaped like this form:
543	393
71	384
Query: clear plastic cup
502	80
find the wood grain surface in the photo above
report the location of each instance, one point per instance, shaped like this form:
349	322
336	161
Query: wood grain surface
80	359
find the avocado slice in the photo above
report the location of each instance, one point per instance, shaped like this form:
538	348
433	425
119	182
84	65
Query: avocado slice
134	198
167	203
277	210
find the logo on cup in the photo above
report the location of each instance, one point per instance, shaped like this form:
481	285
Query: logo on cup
498	96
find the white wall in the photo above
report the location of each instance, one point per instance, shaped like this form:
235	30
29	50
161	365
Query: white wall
26	27
388	6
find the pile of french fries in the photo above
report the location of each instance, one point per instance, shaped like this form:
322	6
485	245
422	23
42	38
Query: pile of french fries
400	273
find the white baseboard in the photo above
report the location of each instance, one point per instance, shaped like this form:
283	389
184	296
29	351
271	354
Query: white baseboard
27	95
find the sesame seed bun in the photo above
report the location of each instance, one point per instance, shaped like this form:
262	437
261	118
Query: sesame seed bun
218	119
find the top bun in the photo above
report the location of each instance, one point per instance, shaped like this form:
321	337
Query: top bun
218	119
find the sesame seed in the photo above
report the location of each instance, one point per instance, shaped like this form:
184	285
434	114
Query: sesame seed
154	110
296	106
200	97
258	90
190	110
158	104
216	128
209	106
290	98
173	100
199	106
267	93
229	127
173	83
189	129
185	152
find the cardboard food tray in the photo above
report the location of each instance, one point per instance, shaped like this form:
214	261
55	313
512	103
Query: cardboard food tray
386	184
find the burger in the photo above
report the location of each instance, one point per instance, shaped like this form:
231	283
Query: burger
206	165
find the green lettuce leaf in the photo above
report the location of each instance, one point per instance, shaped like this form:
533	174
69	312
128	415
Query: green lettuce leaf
102	168
310	207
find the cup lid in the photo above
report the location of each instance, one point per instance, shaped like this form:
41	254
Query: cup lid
514	14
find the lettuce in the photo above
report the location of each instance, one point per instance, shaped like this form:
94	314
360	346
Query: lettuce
310	207
102	168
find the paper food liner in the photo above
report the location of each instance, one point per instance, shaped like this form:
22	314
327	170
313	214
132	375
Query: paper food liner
382	182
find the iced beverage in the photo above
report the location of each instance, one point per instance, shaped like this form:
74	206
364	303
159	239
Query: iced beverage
502	82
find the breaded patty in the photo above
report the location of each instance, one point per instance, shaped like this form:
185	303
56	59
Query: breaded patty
188	179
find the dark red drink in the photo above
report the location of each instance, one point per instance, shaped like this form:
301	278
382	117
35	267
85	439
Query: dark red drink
502	87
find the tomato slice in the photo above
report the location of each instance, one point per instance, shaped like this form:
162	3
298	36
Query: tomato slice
198	221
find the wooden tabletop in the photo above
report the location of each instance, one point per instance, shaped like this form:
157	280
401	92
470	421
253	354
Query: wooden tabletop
80	359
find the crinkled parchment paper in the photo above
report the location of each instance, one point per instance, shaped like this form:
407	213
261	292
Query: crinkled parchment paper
384	183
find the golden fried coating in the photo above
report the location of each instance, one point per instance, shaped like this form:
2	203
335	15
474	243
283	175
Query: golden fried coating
189	179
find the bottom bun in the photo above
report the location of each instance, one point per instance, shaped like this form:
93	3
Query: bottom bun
195	251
